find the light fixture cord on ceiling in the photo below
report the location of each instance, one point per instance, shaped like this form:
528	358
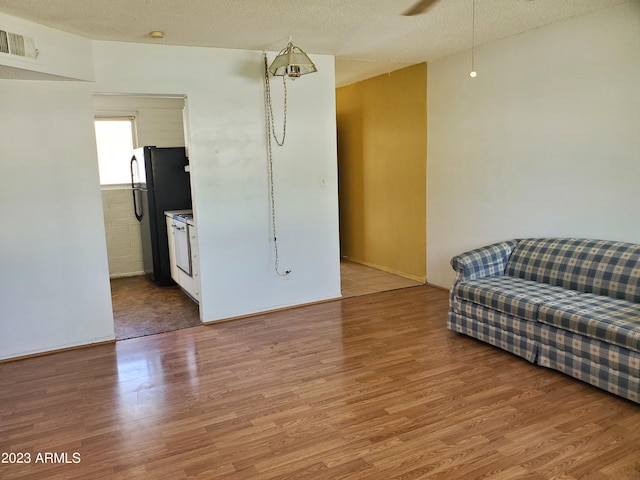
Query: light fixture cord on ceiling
270	132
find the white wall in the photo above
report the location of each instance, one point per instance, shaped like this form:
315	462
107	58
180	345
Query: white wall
544	142
229	171
62	55
54	283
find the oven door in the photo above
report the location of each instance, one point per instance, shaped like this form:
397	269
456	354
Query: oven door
182	246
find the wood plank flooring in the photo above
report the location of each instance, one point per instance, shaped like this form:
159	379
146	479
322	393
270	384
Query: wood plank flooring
142	308
370	387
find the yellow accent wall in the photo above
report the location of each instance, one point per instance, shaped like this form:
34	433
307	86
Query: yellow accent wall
382	163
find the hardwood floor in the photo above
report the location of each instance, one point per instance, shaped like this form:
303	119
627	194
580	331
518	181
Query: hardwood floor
141	308
370	387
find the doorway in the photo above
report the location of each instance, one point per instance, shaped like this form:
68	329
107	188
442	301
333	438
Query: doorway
140	307
382	158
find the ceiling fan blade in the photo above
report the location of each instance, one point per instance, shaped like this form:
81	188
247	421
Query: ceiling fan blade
420	7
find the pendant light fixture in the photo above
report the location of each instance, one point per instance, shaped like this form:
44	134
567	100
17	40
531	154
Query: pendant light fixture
291	62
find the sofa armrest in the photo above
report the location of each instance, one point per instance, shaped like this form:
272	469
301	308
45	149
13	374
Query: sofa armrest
489	261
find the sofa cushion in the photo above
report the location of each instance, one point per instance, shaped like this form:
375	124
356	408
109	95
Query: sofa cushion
590	266
603	318
514	296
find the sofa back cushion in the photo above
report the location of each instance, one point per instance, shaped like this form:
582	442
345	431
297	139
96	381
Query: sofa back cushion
602	267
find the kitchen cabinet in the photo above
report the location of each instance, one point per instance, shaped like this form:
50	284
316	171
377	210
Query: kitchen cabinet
184	255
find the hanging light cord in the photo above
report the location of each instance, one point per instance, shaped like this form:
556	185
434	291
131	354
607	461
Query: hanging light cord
267	92
270	133
473	35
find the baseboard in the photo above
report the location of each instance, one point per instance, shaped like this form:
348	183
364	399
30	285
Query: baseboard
437	286
265	312
125	275
57	350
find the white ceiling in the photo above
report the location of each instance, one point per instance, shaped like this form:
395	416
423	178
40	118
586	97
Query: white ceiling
368	37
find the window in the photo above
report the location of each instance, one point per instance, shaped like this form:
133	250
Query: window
114	138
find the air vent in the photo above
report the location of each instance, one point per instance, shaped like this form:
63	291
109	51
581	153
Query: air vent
17	45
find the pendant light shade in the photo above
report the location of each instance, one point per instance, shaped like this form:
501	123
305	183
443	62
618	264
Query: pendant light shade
292	62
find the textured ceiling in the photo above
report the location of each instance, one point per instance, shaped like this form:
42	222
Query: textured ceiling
368	37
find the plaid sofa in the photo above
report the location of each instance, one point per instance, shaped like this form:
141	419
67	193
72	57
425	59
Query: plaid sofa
569	304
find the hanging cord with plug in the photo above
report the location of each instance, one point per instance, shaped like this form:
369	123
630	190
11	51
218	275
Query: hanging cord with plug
271	132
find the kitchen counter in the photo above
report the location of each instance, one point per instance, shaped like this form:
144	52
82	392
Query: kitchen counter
183	251
182	215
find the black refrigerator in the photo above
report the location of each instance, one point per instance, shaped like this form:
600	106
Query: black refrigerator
159	182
